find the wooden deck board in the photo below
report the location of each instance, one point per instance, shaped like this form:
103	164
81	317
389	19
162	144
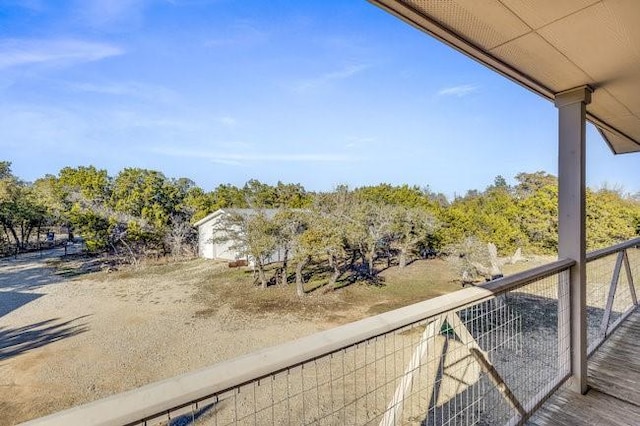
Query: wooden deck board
615	367
594	408
614	381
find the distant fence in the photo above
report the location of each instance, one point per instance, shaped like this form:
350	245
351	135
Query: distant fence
46	239
490	354
34	250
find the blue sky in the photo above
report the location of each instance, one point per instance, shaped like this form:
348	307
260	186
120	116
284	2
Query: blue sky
320	93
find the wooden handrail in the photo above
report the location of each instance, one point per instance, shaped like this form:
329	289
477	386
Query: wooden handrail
597	254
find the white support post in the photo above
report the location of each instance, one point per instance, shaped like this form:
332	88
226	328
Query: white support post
571	106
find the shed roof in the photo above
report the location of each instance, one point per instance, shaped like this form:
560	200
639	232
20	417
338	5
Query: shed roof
549	46
269	213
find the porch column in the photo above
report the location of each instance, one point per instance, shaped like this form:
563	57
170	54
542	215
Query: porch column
571	106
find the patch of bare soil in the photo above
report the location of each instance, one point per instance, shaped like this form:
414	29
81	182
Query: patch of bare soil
69	341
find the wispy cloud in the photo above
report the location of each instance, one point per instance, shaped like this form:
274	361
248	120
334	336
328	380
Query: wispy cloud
20	52
239	34
458	91
227	121
358	141
327	78
346	72
34	127
129	89
341	43
111	13
236	158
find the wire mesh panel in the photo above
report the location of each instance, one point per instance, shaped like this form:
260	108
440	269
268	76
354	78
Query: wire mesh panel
633	254
621	293
520	334
610	292
599	273
488	362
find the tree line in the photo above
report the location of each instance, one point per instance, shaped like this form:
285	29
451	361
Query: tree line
141	212
138	212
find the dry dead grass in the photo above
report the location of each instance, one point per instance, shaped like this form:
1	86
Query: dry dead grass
219	286
421	280
237	289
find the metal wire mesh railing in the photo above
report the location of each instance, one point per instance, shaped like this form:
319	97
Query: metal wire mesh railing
484	355
611	289
488	362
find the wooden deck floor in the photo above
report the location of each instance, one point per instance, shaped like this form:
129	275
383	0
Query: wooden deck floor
614	381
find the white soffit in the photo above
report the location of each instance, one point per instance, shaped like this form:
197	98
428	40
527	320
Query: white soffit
549	46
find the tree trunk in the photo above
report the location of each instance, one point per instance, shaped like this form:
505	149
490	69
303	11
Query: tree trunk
336	273
402	259
8	230
285	264
370	261
134	260
22	235
261	274
354	258
15	236
28	236
299	281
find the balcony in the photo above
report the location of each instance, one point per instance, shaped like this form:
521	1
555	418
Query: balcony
499	353
552	345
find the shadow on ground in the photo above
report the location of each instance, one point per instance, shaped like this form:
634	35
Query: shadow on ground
16	341
21	276
31	271
190	419
12	300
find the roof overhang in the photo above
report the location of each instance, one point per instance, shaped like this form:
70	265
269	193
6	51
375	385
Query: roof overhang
549	46
209	218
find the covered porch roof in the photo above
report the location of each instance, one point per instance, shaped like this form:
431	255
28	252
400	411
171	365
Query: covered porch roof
549	47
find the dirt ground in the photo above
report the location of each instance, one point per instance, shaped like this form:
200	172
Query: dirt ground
67	340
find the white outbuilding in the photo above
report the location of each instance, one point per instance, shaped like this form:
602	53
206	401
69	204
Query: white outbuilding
211	236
